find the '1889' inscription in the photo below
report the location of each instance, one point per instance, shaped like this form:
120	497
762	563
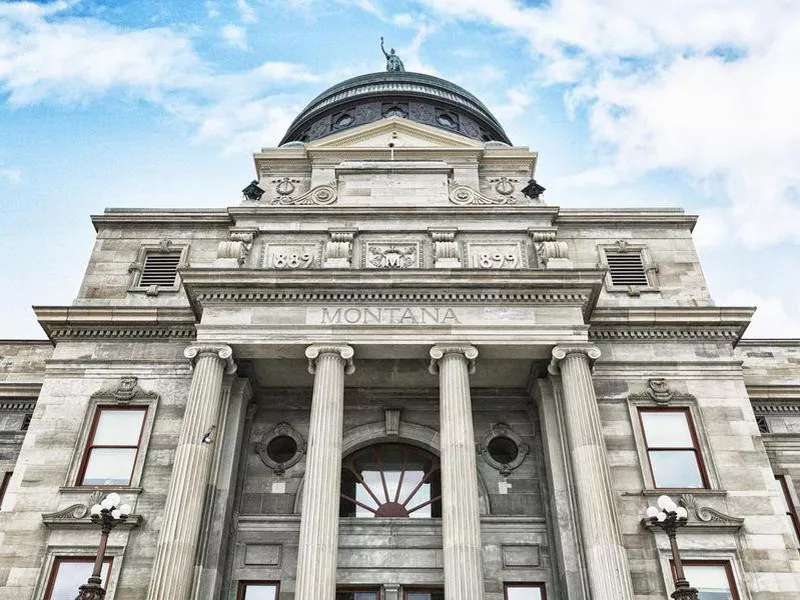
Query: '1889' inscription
386	315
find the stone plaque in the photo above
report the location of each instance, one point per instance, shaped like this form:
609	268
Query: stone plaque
520	556
266	555
290	256
488	255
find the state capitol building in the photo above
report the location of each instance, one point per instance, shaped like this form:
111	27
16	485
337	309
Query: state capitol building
398	370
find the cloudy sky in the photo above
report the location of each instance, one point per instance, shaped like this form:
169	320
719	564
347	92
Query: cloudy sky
630	103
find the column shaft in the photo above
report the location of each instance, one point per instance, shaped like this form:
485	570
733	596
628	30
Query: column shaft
606	559
461	535
319	524
173	568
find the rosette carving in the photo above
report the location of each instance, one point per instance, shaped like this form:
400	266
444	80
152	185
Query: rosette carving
322	195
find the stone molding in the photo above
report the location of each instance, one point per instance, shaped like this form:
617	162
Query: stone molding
321	195
222	352
437	353
125	390
559	353
17	404
503	430
703	518
660	392
116	322
343	351
281	429
76	515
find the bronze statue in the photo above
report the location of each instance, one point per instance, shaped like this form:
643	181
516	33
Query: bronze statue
393	62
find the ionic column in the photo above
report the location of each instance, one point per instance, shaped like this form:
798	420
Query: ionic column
461	533
319	521
606	559
173	569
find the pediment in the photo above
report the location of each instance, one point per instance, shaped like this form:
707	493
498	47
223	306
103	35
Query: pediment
398	131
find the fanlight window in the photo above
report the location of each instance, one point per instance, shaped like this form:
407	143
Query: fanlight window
391	480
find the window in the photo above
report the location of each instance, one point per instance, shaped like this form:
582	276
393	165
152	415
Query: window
712	580
626	268
524	591
4	485
258	590
68	574
672	448
160	269
358	594
420	594
391	480
112	447
791	512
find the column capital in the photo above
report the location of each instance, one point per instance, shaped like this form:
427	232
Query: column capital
590	351
223	352
437	352
343	351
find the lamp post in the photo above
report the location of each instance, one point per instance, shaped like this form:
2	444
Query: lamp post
107	514
669	517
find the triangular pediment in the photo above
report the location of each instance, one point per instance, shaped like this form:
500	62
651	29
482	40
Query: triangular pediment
399	132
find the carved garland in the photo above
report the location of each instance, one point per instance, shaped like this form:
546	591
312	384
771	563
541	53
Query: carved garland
321	195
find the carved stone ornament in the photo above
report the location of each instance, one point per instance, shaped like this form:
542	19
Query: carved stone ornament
559	353
393	256
339	249
345	352
322	195
75	511
281	430
550	250
125	390
238	247
708	515
437	353
464	195
220	351
658	391
504	186
501	430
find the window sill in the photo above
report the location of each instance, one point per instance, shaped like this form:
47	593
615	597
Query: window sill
83	489
656	492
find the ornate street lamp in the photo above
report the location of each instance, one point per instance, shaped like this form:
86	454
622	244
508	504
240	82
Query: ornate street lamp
669	517
108	514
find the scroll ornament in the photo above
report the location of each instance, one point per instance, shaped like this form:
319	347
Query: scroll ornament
464	195
321	195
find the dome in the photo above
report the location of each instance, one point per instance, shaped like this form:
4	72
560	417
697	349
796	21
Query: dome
415	96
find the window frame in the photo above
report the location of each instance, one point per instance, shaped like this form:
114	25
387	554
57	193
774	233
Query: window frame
106	398
648	265
54	552
786	487
88	446
512	584
243	583
58	560
726	564
421	590
137	267
360	588
696	445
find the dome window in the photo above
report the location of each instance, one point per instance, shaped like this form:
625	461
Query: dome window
448	120
343	120
395	110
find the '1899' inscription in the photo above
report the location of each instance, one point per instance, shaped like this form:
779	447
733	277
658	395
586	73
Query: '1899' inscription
385	315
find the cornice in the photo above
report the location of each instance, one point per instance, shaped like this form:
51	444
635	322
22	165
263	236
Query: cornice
766	342
12	392
773	392
116	322
417	286
143	216
688	323
395	212
659	216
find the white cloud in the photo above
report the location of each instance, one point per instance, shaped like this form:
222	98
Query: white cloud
10	175
708	88
246	11
711	229
286	72
235	35
771	320
517	100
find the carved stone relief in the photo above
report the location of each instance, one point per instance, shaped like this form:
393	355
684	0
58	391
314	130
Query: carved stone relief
659	391
493	255
464	195
291	256
391	256
287	193
446	251
339	249
125	390
281	448
503	449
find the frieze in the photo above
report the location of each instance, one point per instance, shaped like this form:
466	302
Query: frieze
494	255
291	256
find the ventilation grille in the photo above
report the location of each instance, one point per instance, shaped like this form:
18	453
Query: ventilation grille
160	269
626	269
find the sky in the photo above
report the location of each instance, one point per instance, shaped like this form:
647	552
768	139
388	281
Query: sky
630	103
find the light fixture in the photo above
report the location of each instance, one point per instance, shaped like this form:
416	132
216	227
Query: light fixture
668	516
209	436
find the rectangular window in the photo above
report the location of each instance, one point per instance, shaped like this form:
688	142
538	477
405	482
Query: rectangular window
69	573
4	485
788	505
258	590
672	448
524	591
112	447
626	268
358	594
421	594
712	580
160	268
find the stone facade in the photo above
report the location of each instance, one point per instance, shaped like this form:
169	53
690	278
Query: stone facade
394	285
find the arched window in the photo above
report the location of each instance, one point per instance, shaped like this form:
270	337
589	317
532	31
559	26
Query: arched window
391	480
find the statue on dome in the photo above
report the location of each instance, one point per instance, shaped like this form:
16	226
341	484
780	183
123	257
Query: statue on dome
393	62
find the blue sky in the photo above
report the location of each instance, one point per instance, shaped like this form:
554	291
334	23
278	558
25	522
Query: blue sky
161	103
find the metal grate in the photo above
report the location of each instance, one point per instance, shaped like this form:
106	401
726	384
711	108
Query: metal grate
627	268
160	268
